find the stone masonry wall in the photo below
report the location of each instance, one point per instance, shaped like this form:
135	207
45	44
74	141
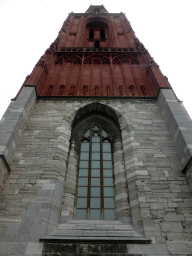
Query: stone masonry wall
179	125
11	127
159	196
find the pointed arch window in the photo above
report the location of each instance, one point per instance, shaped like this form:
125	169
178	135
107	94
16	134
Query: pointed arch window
95	193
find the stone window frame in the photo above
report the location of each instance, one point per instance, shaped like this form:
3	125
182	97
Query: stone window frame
125	156
79	126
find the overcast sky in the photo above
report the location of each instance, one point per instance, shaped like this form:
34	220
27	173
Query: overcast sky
28	27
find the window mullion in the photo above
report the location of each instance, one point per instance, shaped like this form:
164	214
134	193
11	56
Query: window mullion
77	177
89	177
101	173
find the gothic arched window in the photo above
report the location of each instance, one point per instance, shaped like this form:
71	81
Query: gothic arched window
95	195
96	164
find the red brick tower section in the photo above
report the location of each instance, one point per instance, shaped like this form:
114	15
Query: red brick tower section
97	54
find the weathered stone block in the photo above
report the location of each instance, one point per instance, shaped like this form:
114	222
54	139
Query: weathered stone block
172	227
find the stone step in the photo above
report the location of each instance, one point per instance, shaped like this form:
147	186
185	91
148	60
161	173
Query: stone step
95	227
94	233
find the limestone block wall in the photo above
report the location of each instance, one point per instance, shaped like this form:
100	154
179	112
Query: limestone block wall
179	125
11	127
158	192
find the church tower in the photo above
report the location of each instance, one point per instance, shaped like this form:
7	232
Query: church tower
96	150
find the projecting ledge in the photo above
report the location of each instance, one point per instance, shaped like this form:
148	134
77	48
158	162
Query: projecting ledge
180	129
124	240
98	230
178	123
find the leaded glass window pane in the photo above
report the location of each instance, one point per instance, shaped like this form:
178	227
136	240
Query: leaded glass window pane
108	173
95	214
106	156
84	164
81	214
83	172
109	214
84	146
95	181
95	139
108	182
106	147
108	202
96	147
95	164
83	181
95	173
87	133
82	202
82	191
104	133
108	191
84	156
95	156
107	164
95	203
95	191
